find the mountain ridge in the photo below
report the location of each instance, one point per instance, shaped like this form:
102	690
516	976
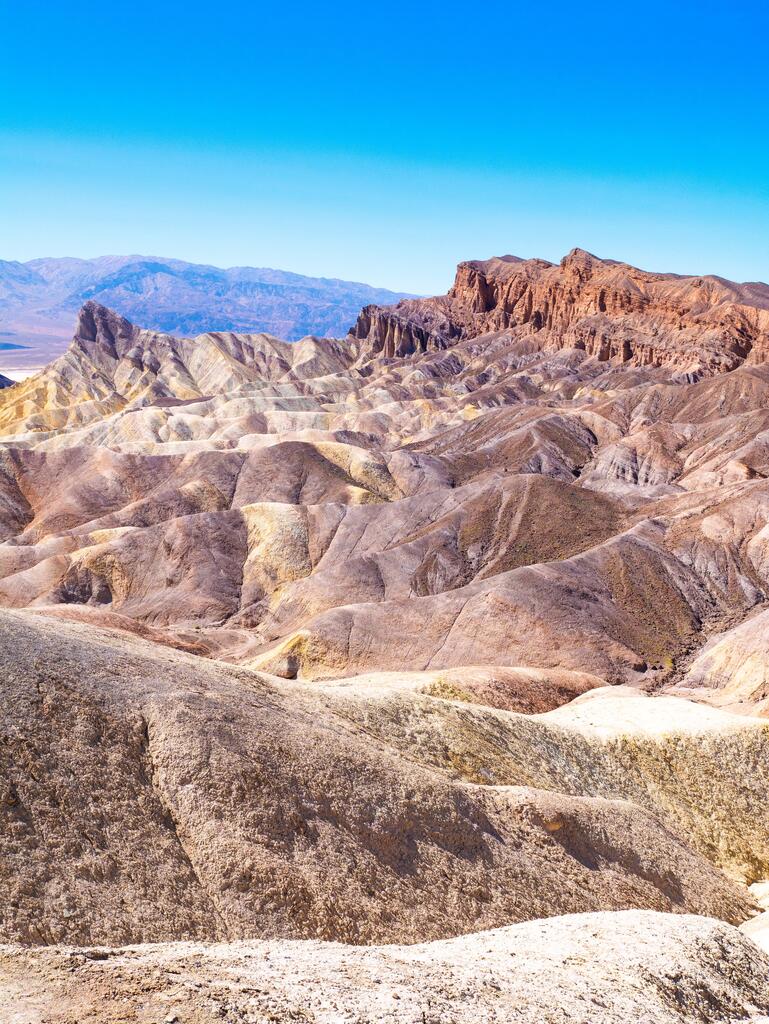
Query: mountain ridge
40	298
701	324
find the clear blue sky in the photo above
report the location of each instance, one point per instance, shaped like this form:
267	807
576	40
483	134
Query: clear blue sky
386	142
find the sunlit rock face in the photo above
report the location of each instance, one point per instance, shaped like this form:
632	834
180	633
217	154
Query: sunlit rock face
183	798
605	308
433	629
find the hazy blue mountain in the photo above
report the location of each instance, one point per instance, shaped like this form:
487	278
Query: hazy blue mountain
39	299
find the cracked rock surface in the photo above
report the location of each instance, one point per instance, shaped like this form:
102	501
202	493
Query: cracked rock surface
586	969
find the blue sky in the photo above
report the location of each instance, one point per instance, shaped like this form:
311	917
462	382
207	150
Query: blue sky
386	142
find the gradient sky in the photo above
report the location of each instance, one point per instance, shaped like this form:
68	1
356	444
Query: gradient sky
386	142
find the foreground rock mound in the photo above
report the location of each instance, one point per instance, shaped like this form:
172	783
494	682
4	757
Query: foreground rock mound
587	969
701	772
150	795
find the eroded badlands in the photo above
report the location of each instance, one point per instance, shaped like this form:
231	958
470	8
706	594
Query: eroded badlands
414	636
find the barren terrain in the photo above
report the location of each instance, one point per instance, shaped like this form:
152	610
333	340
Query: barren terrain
447	634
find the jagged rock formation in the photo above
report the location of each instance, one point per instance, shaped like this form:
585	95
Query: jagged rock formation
113	366
607	309
315	640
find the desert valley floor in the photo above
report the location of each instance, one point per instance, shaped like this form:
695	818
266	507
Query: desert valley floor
416	676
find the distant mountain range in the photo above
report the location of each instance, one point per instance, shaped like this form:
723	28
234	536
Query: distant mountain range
39	301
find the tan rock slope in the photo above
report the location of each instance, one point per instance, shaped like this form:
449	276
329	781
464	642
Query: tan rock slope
150	795
589	969
394	638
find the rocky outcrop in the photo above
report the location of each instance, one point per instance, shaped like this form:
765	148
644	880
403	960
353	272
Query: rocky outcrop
610	310
112	365
391	333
